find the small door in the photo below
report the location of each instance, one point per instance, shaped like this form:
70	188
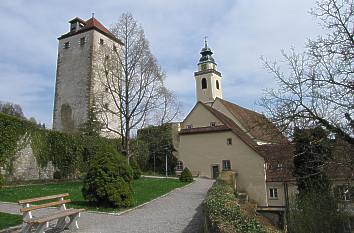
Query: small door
215	170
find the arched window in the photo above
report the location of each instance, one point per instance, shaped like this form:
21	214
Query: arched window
217	84
204	83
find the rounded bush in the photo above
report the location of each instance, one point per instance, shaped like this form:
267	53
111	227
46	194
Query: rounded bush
107	181
186	175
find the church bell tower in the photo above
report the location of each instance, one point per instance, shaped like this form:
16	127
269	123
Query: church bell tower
207	78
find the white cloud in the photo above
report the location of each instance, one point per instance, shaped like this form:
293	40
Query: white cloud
239	33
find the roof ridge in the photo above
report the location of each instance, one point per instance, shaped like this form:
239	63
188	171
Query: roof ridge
234	127
243	108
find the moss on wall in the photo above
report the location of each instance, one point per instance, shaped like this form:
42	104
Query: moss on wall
69	153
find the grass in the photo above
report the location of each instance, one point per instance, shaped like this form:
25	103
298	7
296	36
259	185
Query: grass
9	220
145	189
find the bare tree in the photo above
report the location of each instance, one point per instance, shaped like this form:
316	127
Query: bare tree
133	80
11	109
318	86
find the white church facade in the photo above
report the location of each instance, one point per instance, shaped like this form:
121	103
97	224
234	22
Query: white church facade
218	135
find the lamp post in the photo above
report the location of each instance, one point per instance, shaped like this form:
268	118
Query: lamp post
154	162
166	149
166	163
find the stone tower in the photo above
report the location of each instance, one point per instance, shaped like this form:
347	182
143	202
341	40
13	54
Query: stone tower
78	81
207	78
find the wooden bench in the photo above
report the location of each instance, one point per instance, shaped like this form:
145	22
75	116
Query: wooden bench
41	223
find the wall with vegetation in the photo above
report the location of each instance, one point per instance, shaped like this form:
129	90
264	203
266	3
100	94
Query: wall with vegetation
29	153
224	213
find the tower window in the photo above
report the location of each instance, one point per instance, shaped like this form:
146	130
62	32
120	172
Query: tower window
66	45
217	84
82	40
229	141
204	83
101	41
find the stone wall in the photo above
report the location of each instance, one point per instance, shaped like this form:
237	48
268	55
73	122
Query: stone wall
25	166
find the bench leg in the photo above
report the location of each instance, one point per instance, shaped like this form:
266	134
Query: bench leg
61	223
73	222
26	228
40	227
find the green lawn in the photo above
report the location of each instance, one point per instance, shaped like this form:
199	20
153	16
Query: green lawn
145	189
9	220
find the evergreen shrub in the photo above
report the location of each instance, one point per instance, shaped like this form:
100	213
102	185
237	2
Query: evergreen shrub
107	182
136	170
2	181
186	175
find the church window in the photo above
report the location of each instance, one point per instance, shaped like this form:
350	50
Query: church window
101	41
212	124
82	40
217	84
179	166
189	126
204	83
273	193
229	141
66	45
226	165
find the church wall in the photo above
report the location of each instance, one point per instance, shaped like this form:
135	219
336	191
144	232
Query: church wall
280	200
200	151
72	83
200	117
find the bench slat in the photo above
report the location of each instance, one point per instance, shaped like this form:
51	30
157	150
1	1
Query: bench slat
42	198
56	203
50	217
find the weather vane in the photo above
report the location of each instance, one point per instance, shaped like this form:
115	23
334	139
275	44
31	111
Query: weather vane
205	41
93	15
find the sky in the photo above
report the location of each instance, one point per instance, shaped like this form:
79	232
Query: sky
239	32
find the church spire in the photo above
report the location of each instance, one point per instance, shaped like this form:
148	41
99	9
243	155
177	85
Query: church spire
208	79
206	54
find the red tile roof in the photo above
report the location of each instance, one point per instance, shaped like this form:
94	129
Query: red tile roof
92	23
255	124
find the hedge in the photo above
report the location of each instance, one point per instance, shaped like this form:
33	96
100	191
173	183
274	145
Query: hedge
223	212
69	153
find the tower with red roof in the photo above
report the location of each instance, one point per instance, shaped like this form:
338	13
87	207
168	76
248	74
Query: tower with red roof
79	82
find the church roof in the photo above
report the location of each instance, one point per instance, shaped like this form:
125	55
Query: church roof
255	123
273	153
92	23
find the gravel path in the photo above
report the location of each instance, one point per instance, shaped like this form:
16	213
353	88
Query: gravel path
179	211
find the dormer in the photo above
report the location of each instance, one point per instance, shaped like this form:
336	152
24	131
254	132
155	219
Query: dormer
76	24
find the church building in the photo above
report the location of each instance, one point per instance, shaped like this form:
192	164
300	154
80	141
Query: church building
218	135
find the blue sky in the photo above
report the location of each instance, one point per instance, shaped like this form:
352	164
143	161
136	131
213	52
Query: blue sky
239	33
